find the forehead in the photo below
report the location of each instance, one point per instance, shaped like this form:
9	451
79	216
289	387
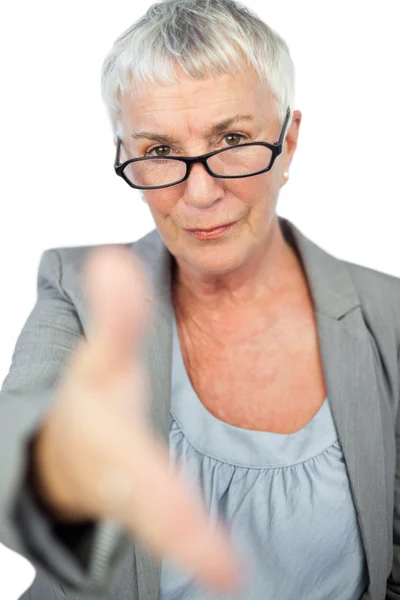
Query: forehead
196	103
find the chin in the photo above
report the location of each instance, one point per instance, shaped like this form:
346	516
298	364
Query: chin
216	260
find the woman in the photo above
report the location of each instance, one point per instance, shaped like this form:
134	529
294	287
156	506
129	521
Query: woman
270	366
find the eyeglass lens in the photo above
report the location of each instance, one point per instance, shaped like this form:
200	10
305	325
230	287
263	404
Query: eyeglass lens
243	160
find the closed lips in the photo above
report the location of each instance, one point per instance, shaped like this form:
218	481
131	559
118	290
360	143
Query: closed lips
212	228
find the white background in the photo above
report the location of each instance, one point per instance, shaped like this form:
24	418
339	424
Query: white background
57	185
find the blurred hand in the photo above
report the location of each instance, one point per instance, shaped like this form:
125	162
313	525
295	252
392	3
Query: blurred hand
95	457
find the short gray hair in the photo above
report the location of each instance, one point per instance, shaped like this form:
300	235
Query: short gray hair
205	38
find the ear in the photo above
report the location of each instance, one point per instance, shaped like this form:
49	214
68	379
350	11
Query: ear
292	138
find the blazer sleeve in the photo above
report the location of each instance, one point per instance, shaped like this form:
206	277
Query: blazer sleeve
80	557
393	582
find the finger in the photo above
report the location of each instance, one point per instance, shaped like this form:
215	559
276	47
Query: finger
119	296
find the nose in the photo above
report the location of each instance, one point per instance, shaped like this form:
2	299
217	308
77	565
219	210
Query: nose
202	189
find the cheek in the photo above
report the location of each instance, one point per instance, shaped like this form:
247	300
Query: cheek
254	192
162	201
162	204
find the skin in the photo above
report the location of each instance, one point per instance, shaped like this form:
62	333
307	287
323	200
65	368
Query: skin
252	264
115	467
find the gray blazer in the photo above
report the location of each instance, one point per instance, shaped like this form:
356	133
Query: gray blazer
358	316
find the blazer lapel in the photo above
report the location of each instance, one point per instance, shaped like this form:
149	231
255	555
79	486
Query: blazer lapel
352	378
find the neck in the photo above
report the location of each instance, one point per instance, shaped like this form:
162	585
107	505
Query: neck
265	276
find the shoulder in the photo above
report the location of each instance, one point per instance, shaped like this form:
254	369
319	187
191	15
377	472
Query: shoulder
375	288
72	258
367	275
62	266
61	269
379	300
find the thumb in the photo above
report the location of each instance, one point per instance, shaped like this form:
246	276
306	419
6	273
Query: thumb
119	296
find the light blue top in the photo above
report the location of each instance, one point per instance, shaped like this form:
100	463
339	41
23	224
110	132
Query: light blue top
284	497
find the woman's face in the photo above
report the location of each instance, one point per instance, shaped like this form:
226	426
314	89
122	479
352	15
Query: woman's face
180	120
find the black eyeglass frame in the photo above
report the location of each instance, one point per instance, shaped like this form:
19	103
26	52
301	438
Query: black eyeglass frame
276	149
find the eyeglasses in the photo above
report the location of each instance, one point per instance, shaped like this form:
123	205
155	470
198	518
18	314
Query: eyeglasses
244	160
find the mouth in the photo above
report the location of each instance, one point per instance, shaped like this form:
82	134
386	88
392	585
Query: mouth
210	234
209	230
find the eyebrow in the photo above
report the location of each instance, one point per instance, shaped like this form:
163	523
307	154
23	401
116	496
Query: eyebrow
218	128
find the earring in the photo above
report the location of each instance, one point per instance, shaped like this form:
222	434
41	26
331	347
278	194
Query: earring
286	175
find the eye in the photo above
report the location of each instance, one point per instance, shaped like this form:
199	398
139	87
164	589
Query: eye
162	151
234	139
159	151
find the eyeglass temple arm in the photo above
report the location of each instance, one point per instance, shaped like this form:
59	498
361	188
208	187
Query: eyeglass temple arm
283	132
118	144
